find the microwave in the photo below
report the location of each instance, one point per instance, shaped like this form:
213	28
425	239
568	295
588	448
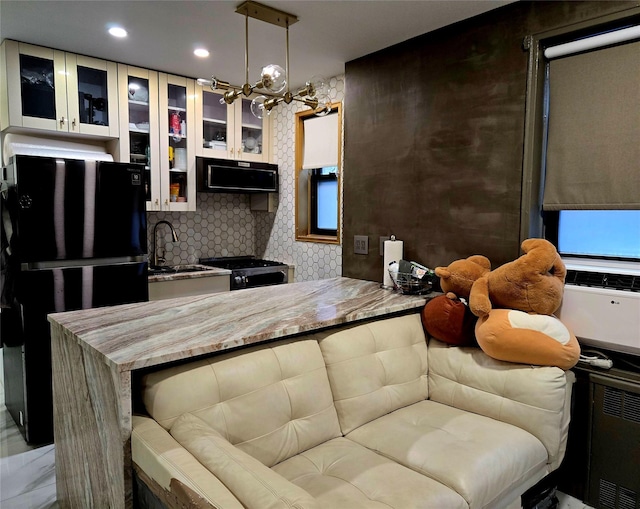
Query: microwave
229	176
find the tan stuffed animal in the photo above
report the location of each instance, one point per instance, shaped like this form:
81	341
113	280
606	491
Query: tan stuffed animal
459	276
534	283
529	290
516	336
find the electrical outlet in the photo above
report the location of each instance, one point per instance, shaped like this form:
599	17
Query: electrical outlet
361	244
382	239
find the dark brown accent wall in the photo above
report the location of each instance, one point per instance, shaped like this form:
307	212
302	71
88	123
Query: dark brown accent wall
434	133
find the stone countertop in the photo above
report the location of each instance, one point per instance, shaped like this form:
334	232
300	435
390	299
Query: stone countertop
174	276
134	336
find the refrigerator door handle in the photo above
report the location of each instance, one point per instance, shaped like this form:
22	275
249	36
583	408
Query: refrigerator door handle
83	263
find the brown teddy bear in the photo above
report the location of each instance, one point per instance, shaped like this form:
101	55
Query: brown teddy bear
447	317
533	283
459	276
529	290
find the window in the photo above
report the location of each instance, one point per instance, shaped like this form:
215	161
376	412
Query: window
592	149
607	234
318	182
324	197
581	150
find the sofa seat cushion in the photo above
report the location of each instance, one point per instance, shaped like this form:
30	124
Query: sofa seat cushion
480	458
343	474
534	398
376	368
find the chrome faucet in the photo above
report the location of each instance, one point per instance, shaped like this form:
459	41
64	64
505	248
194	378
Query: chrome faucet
174	236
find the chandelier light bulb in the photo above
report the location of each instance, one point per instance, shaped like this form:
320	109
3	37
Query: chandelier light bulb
318	86
257	106
324	105
273	78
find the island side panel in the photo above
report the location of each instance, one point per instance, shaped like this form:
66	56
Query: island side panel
92	427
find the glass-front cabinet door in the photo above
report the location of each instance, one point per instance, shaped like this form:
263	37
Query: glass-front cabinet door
139	126
251	133
177	143
212	130
92	95
59	91
229	131
37	85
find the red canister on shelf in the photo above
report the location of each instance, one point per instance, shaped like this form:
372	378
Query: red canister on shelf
174	124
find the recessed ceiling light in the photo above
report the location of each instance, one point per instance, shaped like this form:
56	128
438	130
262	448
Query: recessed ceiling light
118	32
201	52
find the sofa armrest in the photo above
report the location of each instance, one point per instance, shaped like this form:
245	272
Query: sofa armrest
534	398
252	482
163	459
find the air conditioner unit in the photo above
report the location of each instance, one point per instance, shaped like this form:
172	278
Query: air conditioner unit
601	304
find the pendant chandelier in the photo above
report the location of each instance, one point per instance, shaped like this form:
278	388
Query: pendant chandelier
273	84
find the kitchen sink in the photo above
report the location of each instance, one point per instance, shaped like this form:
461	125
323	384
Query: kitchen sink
176	269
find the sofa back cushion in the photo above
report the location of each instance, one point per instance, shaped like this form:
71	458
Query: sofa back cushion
271	402
376	368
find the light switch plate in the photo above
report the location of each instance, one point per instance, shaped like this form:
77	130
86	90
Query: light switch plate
361	244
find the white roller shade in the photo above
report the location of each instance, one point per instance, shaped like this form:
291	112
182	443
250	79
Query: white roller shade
320	142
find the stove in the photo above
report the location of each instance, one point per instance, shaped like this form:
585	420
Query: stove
249	271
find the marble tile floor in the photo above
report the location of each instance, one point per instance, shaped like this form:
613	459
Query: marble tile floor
27	474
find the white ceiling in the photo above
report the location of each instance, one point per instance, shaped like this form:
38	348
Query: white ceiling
163	34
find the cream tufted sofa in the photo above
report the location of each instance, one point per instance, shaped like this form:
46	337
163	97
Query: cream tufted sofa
371	416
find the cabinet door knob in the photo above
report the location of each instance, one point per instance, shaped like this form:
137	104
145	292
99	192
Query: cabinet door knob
239	151
231	152
73	123
62	121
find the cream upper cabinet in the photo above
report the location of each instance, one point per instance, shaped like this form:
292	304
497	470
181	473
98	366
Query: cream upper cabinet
177	143
92	95
140	126
56	91
230	131
156	129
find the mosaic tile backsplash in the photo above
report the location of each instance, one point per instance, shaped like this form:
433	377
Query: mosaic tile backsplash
224	224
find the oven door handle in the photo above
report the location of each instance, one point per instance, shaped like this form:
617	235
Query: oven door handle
265	279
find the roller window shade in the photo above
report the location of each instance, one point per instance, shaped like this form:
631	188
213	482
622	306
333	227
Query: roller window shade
593	151
320	142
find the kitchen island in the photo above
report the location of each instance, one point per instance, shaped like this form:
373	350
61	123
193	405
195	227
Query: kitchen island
96	353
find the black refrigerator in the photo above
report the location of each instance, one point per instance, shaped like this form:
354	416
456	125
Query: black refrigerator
74	236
